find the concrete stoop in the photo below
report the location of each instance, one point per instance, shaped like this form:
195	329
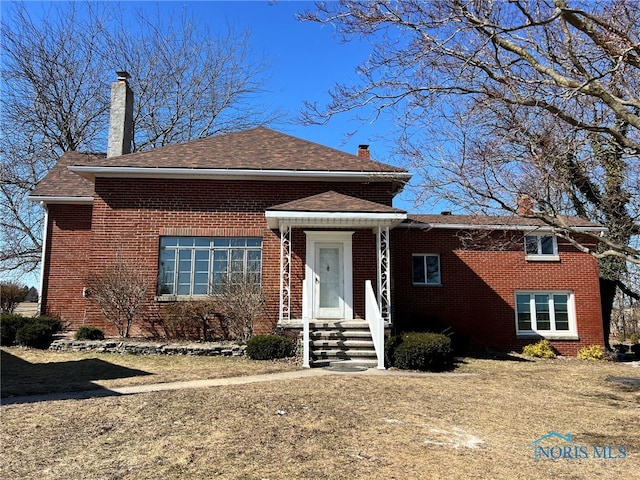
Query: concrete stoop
346	343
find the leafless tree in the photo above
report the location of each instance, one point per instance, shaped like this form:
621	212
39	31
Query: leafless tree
240	302
57	64
11	294
119	291
494	100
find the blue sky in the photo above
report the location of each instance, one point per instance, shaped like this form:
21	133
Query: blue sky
307	59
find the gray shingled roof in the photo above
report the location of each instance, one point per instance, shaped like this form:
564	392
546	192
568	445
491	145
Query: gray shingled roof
511	221
334	202
260	149
61	182
256	149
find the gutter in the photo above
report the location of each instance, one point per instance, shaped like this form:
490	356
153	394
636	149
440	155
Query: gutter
91	172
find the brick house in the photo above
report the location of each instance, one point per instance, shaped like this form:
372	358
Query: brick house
314	227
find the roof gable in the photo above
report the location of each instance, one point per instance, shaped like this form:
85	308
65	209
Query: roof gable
334	202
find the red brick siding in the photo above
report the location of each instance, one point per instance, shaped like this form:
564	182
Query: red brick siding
129	216
66	262
477	298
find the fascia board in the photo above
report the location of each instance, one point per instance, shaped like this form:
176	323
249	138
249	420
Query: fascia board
524	228
297	218
61	200
91	172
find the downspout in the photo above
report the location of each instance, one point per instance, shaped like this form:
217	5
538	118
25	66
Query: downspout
42	258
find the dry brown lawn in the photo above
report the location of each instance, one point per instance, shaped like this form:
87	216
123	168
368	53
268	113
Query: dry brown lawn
338	426
32	371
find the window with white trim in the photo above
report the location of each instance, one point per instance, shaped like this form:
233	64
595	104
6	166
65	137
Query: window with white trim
548	313
541	246
426	269
191	266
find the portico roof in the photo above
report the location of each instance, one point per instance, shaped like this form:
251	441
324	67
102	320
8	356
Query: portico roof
332	209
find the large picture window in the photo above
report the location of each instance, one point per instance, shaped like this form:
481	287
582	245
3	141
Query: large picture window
204	265
545	313
426	269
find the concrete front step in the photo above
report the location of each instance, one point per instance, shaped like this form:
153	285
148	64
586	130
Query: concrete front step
339	343
344	354
338	324
340	334
345	363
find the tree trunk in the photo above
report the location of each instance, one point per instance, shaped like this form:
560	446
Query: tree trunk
607	295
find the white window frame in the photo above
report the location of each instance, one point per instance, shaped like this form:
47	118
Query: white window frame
539	256
552	333
426	282
210	249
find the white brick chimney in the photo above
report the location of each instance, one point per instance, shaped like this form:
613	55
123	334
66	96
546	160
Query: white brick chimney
121	117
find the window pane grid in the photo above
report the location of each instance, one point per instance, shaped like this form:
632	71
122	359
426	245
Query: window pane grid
543	311
203	265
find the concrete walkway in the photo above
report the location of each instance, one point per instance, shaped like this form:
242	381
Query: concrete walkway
215	382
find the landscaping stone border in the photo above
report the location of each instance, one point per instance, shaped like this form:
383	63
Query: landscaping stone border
212	349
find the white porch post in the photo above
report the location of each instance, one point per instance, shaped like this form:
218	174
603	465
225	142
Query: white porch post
285	273
384	272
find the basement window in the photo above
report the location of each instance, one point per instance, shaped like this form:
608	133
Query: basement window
193	266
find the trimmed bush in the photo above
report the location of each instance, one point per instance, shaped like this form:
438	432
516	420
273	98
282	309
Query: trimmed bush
9	325
269	347
592	352
423	351
89	333
38	332
390	346
542	349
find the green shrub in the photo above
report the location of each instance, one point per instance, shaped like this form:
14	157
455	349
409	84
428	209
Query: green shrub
592	352
390	346
423	351
89	333
9	325
269	347
38	332
542	349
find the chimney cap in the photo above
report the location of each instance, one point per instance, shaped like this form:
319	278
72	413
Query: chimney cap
445	212
363	147
123	75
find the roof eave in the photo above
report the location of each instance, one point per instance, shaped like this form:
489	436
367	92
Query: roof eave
49	200
526	228
91	172
276	219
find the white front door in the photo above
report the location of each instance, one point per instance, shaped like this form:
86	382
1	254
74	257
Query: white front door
329	280
329	275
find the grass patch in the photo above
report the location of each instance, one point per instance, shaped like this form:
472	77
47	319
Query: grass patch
30	371
337	426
